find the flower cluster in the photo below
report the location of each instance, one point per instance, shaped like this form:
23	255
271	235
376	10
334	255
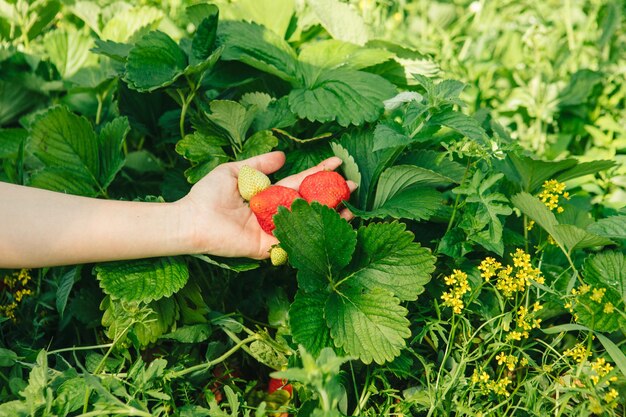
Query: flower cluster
552	190
488	385
510	361
525	321
15	289
457	281
511	279
598	372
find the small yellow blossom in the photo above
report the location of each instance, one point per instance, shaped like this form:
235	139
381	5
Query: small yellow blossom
611	395
552	189
597	294
489	267
509	360
459	287
16	290
579	353
608	308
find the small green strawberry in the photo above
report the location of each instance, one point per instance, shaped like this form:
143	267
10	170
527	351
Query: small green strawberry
278	256
251	182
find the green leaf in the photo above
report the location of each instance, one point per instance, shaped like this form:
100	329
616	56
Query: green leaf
257	144
8	358
390	134
196	333
130	23
415	203
144	279
613	227
532	173
231	264
155	61
203	41
319	242
258	47
234	118
606	270
333	53
65	285
114	50
307	322
10	142
370	325
462	123
406	191
111	141
68	147
489	205
275	15
580	86
359	145
387	258
400	177
568	237
434	161
574	237
585	168
204	152
340	20
15	100
68	49
303	158
348	166
349	97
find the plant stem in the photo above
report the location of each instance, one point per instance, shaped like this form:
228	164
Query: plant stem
99	110
214	362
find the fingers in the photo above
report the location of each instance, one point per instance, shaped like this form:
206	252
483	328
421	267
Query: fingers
295	180
266	163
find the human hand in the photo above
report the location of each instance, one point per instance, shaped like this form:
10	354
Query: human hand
221	221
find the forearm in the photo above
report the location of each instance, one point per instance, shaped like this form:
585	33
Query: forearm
43	228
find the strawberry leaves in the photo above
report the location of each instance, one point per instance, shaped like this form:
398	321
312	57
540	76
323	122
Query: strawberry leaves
351	283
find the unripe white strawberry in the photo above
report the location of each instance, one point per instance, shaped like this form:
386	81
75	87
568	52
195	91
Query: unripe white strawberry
278	256
251	182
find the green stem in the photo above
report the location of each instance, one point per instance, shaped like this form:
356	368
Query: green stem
70	349
214	362
99	110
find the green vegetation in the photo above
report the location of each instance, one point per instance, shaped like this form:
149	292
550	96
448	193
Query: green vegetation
484	272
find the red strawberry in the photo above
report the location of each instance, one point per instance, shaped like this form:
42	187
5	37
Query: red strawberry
265	204
276	384
325	187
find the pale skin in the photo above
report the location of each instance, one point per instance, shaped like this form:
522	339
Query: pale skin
41	228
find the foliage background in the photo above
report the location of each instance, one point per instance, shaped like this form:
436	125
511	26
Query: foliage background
509	94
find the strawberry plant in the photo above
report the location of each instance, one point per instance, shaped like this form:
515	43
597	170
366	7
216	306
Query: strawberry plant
466	258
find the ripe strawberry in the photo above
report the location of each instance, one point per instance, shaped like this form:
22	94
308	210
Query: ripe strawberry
251	182
325	187
265	204
278	256
276	384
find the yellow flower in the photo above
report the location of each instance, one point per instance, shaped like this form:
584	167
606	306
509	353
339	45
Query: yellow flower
579	353
611	396
489	268
552	189
459	287
608	308
597	294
